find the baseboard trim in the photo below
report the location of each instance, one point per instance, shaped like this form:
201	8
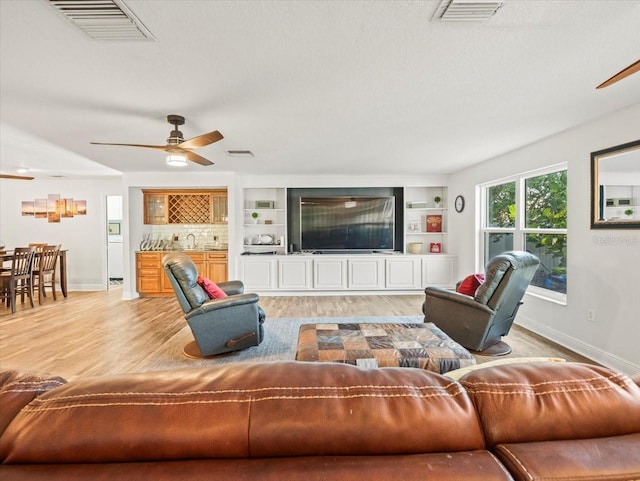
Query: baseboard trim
85	287
596	354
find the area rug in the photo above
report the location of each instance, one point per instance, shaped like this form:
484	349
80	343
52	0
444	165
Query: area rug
279	344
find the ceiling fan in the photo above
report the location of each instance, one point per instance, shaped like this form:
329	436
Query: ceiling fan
16	177
180	150
631	69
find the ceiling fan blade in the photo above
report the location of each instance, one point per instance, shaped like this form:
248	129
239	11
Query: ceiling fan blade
159	147
201	140
193	157
631	69
17	177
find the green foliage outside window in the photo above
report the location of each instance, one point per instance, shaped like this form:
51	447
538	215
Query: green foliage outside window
501	205
546	208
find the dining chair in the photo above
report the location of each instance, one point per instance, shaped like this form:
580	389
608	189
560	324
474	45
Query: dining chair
19	280
44	272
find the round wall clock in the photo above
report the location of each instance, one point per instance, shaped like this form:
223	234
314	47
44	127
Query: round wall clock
459	203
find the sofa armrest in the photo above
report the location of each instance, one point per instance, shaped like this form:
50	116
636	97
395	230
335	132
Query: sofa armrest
223	303
231	288
439	300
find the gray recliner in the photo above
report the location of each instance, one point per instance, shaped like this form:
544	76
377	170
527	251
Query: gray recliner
479	322
218	325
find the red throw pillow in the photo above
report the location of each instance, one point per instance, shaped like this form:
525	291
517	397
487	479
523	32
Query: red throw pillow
470	284
211	288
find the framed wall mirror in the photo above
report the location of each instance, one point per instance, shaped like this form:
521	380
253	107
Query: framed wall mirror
615	187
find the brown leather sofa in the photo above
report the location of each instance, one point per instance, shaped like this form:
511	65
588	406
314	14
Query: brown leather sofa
323	421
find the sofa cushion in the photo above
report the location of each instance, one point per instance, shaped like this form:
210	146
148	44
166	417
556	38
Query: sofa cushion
17	390
211	288
271	409
522	403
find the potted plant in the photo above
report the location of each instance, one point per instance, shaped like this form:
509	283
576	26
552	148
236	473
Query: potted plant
628	212
254	216
437	199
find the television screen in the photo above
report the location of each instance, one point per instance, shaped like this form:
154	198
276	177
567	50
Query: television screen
347	223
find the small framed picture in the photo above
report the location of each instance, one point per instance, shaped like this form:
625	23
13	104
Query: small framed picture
435	247
114	228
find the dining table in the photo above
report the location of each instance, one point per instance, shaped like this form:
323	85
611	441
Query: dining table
62	266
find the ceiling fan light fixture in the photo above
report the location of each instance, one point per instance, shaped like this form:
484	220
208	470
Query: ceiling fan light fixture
177	160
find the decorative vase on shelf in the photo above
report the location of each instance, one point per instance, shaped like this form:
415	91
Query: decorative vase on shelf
437	199
254	217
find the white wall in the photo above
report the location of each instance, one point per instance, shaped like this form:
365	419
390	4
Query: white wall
85	237
603	265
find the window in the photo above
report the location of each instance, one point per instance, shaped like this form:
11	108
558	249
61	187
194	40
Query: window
529	212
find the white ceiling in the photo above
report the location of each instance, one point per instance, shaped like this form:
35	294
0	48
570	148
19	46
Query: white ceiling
311	87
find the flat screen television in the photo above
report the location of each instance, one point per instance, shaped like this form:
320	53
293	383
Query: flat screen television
346	223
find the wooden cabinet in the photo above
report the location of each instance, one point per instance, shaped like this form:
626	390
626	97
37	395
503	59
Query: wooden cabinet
185	206
216	266
151	281
148	272
155	208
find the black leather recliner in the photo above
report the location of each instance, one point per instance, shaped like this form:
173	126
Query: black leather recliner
218	325
479	322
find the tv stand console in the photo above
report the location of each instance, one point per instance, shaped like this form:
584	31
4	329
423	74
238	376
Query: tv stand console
351	273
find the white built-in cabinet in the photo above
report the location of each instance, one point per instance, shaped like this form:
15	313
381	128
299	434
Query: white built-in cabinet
295	273
260	273
277	270
403	273
302	272
366	273
330	273
438	271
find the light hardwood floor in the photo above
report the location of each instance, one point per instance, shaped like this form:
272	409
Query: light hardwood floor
92	333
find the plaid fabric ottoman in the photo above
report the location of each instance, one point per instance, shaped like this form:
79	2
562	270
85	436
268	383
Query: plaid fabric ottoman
421	346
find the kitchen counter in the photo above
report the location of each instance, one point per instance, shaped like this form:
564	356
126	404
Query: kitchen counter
151	280
187	250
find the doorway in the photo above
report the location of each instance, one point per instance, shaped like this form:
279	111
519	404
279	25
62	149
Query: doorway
115	261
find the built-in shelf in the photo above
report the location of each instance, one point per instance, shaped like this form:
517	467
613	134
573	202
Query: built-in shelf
276	214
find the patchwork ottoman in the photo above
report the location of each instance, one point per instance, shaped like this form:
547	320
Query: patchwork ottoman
422	346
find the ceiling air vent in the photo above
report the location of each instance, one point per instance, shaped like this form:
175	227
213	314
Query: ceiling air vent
103	19
239	153
466	10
